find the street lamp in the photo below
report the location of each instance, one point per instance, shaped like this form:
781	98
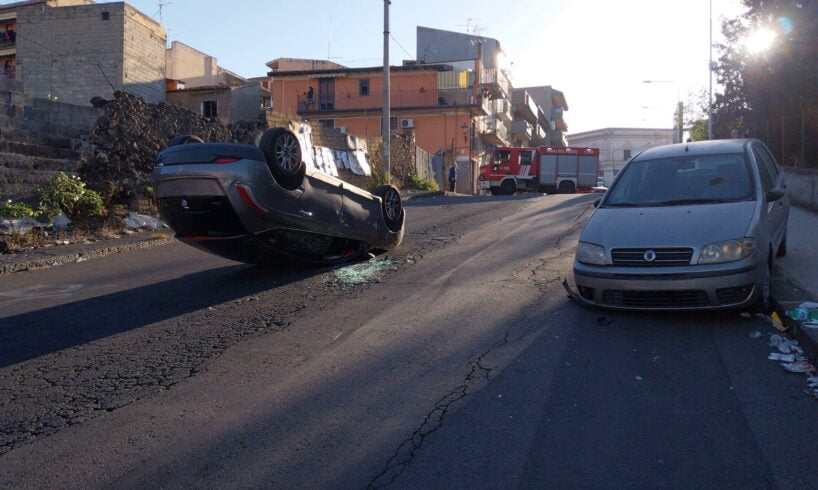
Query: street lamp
679	108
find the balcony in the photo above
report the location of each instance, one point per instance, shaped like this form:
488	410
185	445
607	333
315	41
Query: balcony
8	74
496	83
521	130
502	108
539	135
399	99
494	131
524	105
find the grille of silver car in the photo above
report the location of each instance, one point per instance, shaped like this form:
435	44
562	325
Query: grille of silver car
655	299
665	257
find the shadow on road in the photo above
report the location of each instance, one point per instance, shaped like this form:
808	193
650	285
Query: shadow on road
30	335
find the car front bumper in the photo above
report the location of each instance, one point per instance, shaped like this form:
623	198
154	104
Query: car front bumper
719	286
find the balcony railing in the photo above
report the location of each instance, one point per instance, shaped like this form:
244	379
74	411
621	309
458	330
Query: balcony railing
494	131
521	129
525	105
539	136
496	82
398	99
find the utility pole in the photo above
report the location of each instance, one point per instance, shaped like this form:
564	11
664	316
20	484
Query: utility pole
385	130
710	73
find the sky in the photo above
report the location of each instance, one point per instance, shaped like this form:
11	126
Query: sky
597	52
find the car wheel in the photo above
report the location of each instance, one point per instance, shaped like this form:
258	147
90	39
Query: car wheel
493	191
184	139
567	187
782	249
764	302
508	187
391	206
283	154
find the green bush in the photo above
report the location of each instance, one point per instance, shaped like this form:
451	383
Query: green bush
17	210
69	195
423	184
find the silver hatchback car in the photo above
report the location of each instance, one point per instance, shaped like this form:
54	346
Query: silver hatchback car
686	226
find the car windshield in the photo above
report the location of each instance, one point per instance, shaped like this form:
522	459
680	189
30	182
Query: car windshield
694	179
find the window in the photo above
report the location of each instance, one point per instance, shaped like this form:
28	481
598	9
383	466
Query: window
502	156
626	155
769	161
525	158
393	123
363	87
267	102
767	180
327	123
210	109
684	180
106	15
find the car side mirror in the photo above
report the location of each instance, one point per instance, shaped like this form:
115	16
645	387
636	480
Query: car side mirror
597	202
775	194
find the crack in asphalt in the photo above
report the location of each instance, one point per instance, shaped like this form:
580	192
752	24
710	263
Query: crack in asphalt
432	421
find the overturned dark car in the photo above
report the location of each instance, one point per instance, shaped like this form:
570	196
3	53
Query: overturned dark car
262	203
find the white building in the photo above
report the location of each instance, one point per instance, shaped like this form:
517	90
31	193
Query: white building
618	145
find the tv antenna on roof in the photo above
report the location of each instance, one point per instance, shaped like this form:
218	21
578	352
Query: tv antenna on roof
161	12
329	43
472	27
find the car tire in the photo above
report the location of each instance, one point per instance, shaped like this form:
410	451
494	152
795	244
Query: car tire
391	206
782	249
567	187
184	139
508	187
764	302
282	151
493	191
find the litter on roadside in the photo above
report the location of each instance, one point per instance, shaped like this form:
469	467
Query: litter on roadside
777	356
756	334
798	367
136	221
777	323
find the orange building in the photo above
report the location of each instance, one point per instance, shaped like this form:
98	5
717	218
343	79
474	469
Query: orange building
441	105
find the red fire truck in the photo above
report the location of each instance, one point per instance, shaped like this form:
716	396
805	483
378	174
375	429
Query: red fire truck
548	169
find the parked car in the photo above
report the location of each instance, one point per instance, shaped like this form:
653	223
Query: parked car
262	204
687	226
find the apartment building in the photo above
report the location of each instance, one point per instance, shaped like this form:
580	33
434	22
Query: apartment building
57	58
618	145
8	31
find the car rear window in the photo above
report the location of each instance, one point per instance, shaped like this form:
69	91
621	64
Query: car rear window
693	179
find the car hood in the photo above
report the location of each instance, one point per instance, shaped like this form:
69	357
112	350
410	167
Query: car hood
669	226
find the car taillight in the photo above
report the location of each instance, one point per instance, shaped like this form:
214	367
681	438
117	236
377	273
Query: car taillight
244	194
226	160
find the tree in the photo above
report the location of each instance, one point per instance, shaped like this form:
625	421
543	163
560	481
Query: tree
696	115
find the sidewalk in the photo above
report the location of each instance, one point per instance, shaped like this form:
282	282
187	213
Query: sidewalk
796	278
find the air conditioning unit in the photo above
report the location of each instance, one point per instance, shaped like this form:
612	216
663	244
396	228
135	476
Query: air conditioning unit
342	129
407	123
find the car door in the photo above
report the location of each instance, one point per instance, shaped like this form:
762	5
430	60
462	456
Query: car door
776	212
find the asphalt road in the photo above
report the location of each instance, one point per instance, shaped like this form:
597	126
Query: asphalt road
457	361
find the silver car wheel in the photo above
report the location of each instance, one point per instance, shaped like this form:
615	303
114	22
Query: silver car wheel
286	151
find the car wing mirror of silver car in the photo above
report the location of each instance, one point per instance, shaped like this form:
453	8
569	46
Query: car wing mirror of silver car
775	194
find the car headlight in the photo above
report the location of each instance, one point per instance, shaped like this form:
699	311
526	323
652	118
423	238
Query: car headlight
727	251
588	253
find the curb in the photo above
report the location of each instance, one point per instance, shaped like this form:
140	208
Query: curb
789	294
47	262
425	195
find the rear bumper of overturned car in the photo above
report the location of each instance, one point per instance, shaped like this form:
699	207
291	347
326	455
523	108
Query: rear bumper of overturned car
723	286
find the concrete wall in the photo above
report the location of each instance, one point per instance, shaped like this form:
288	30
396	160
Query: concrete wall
68	52
245	102
439	46
144	57
195	68
802	186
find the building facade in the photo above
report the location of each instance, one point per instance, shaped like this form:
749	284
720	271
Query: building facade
72	53
618	145
8	31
